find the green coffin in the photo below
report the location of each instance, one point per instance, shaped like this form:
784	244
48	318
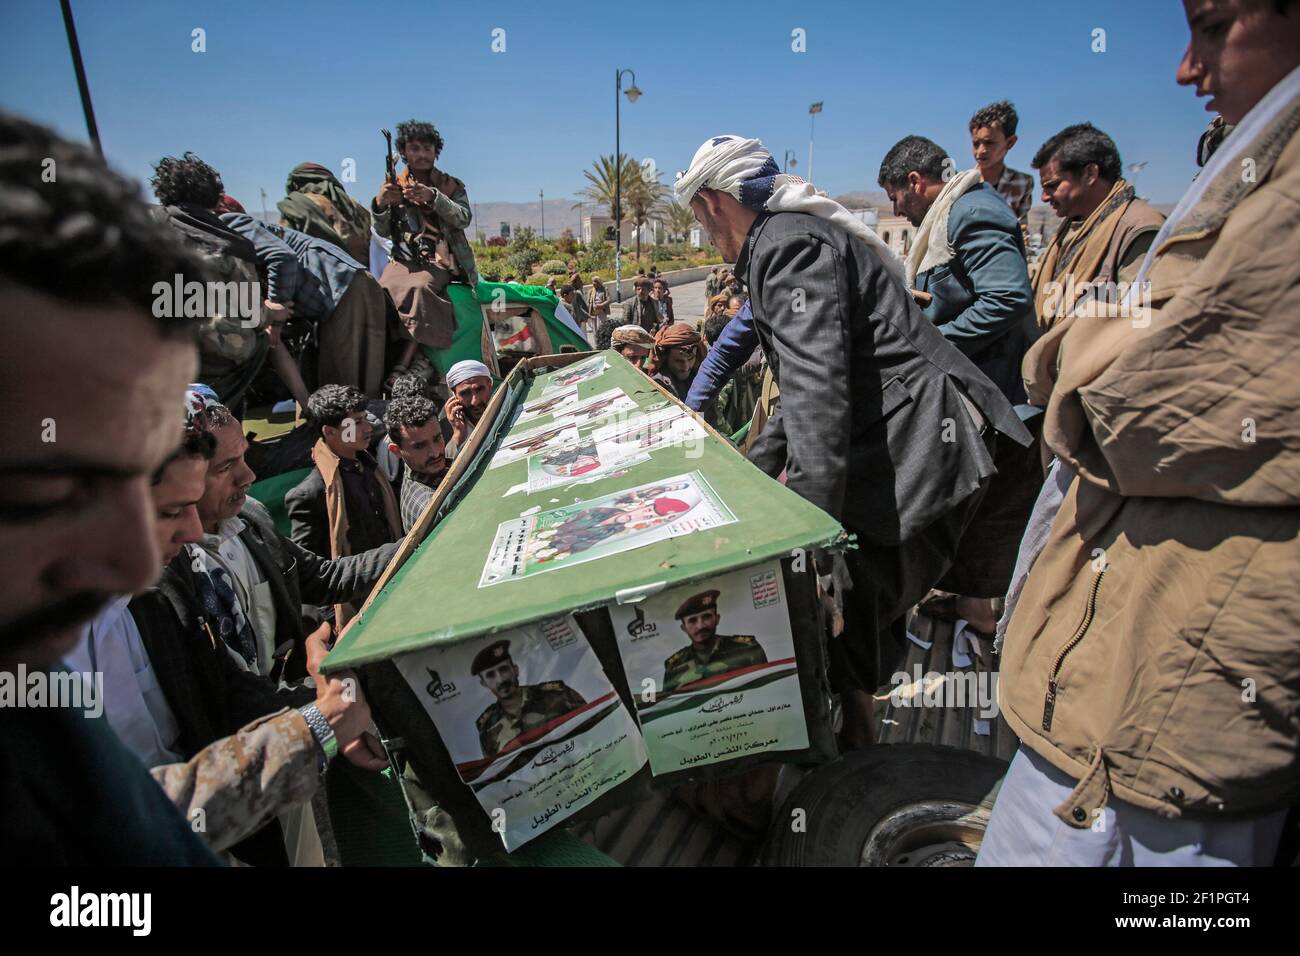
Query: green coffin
435	597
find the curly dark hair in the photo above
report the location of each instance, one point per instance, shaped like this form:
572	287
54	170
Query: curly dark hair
417	131
410	383
411	411
605	331
713	327
1000	114
911	154
1076	146
186	180
330	404
72	228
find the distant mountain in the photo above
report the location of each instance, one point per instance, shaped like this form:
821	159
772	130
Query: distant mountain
560	213
488	216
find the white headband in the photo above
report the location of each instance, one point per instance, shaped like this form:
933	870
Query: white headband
466	369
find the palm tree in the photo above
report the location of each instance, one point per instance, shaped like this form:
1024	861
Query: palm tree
680	219
644	203
601	179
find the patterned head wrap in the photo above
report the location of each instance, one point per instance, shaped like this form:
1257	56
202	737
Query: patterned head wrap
745	170
679	333
198	399
631	335
742	168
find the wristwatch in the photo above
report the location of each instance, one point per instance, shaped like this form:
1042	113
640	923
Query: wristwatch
327	745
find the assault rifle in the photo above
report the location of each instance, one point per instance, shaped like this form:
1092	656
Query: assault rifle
394	228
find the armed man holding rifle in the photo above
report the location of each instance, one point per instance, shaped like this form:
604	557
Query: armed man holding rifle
425	213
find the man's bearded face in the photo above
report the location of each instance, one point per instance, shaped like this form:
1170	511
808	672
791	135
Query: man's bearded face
502	680
76	515
420	156
701	626
229	477
422	448
634	353
474	394
1065	192
681	360
908	203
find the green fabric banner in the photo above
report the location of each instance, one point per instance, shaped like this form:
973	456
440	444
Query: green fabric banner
467	341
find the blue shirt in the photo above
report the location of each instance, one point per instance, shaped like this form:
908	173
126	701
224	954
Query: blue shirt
732	349
310	273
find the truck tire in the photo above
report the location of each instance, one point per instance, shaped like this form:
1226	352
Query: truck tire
888	805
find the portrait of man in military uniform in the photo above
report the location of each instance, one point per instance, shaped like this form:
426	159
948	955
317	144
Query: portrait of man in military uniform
518	708
709	652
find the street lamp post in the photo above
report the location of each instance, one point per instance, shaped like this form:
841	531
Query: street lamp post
541	196
789	161
632	94
813	110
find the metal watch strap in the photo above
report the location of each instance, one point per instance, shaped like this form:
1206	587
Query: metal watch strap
327	745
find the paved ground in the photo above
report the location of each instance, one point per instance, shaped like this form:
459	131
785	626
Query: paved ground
688	301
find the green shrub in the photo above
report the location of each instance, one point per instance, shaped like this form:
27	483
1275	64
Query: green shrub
521	260
554	267
539	278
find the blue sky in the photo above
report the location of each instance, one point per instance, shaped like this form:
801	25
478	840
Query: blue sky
285	82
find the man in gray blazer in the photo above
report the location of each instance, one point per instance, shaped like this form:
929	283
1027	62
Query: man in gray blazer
968	263
882	423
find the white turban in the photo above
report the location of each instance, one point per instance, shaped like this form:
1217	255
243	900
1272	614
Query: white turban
745	170
723	163
466	370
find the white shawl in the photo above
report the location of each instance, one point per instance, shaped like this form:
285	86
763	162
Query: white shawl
930	246
726	162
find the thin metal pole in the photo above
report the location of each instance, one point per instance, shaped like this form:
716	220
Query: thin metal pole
541	195
80	69
618	195
812	121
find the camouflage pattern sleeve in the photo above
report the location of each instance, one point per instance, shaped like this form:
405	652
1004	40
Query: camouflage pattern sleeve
453	208
236	784
379	218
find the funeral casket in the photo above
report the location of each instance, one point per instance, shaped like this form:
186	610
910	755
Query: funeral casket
602	597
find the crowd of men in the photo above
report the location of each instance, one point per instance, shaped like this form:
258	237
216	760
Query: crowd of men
1094	461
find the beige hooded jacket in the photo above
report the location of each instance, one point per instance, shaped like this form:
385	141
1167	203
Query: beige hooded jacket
1155	650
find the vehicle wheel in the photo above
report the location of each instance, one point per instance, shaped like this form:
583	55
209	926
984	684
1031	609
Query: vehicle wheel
888	805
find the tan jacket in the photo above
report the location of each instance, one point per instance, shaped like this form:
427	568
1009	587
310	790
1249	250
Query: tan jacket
336	509
1101	253
1155	650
